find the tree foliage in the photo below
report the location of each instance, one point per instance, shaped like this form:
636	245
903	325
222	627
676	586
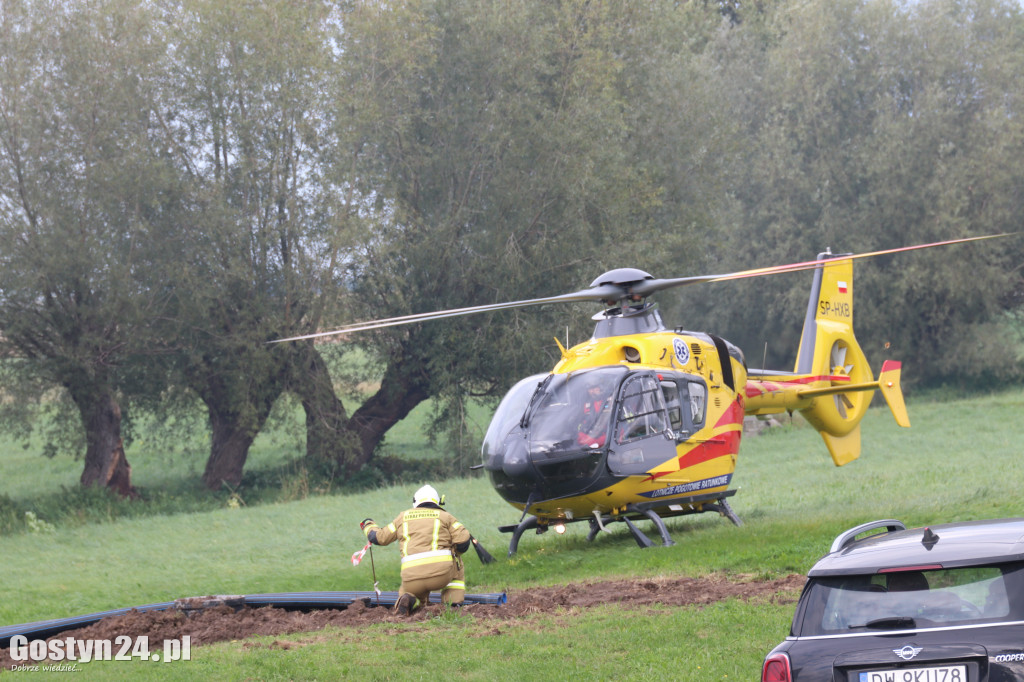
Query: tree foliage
872	125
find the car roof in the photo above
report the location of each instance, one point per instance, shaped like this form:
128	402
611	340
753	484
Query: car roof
968	543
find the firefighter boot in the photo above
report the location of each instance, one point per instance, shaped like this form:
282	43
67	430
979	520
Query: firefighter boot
406	604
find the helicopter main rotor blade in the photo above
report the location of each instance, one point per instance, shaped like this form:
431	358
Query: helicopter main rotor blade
648	287
595	294
615	291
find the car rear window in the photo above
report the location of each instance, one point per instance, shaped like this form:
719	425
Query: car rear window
913	599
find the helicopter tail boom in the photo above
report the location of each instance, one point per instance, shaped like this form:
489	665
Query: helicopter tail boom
888	383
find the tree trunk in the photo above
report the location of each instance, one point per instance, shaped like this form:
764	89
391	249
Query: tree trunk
329	443
239	391
105	461
229	448
399	393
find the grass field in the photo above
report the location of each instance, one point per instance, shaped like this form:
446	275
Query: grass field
960	460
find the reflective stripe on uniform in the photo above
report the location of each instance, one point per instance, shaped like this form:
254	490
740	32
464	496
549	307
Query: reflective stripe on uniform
431	557
455	585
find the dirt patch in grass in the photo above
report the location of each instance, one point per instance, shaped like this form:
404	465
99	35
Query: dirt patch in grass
223	622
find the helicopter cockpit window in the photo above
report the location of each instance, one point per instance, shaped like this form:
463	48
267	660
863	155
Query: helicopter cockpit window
698	402
574	412
641	409
674	405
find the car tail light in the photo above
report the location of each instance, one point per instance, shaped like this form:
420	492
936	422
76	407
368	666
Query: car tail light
776	669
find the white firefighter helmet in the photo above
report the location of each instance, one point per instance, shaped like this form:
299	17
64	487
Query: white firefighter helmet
426	494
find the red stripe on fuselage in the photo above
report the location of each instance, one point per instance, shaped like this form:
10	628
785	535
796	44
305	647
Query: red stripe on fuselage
725	443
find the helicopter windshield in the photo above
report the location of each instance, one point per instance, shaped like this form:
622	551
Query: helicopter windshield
574	411
509	413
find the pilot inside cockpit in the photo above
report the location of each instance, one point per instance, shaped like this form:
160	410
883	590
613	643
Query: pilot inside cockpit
594	417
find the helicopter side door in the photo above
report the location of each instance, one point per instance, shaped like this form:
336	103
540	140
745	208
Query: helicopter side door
686	402
642	435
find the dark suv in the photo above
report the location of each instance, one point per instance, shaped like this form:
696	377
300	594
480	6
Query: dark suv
938	604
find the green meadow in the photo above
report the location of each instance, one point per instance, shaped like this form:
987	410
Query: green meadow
959	460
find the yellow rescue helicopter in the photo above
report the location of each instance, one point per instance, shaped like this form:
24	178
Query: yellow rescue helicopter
644	422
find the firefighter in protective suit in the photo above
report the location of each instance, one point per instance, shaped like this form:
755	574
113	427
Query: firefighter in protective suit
432	544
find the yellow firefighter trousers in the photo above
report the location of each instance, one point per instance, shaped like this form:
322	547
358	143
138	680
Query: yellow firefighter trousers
451	583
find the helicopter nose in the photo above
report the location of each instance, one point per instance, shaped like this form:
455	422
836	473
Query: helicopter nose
516	464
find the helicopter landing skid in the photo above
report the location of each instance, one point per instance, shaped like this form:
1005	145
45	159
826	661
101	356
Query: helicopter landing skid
723	508
638	535
517	532
698	503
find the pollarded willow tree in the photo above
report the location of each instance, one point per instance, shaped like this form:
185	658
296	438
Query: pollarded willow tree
84	186
271	214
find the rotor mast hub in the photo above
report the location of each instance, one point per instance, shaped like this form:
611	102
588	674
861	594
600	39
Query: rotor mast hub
624	279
